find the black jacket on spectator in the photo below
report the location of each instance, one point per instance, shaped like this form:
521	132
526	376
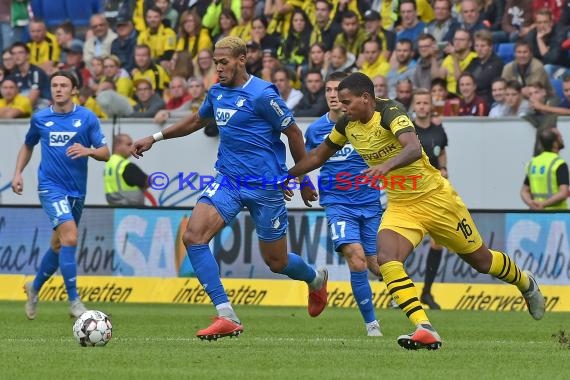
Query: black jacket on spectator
312	105
492	16
485	73
555	55
125	50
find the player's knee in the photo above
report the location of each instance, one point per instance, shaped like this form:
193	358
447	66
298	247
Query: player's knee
276	266
356	263
68	240
192	237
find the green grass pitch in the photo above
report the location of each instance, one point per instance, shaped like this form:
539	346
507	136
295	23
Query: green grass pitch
157	342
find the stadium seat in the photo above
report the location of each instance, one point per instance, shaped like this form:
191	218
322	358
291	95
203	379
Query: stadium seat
52	12
558	88
81	11
506	51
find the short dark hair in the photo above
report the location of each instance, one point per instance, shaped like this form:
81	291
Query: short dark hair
357	83
547	138
336	76
513	84
68	74
20	44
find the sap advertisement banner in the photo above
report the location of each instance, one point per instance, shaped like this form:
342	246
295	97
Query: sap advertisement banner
147	243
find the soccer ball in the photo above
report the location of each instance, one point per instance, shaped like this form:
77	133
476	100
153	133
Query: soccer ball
93	328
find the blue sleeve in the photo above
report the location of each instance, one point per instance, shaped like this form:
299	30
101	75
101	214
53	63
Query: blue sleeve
96	136
272	108
309	139
206	110
33	135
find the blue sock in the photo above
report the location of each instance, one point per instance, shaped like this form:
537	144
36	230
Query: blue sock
48	266
363	294
68	269
298	269
207	271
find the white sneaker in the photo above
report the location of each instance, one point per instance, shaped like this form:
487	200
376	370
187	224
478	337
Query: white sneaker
32	302
373	329
76	308
534	298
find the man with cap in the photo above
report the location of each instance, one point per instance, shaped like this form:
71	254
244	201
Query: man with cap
148	102
375	31
74	61
254	62
124	45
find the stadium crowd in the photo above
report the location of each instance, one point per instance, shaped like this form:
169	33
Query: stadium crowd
153	58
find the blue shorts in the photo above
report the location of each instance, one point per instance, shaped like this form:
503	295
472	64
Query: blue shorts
60	207
354	224
266	206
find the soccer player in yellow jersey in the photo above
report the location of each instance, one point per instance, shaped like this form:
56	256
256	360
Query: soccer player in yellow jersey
420	201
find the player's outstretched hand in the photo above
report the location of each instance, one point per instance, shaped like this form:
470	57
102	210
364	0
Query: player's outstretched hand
141	146
77	150
18	184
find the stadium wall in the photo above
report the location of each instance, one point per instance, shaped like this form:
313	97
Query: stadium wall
487	160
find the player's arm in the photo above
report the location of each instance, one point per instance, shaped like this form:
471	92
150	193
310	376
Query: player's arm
411	152
77	150
24	156
314	159
442	161
182	127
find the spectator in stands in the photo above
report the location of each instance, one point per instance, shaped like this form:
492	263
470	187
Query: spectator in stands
169	14
243	28
459	57
259	34
124	45
342	60
144	67
295	49
373	63
499	107
526	69
160	39
269	63
404	93
74	62
471	16
7	61
148	102
492	12
95	73
254	63
193	37
318	59
546	183
391	20
5	27
12	104
374	30
403	66
112	103
487	66
228	22
444	104
182	65
411	27
206	70
546	44
20	19
352	36
179	103
197	92
313	103
518	106
211	18
44	49
85	97
32	81
443	27
540	120
282	79
326	28
380	87
428	65
470	104
99	44
112	70
517	19
65	35
563	108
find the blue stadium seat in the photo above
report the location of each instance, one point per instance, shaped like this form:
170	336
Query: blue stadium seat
52	12
506	51
81	11
558	88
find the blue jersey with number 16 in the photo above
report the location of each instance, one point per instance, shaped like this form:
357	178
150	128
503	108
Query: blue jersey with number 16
57	132
250	118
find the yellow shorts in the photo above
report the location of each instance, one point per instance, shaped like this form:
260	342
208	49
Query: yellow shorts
441	213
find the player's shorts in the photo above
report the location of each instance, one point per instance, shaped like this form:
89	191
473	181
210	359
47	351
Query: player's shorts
354	224
265	204
60	207
441	213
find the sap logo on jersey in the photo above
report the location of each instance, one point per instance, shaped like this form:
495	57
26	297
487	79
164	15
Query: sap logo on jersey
223	115
343	153
60	138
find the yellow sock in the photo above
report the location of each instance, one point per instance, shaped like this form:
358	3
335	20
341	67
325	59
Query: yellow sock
403	291
505	269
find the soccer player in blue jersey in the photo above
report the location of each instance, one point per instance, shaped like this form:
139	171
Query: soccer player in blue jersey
353	213
251	117
69	135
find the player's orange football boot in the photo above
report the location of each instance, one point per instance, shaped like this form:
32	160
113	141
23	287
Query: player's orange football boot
318	297
220	327
424	337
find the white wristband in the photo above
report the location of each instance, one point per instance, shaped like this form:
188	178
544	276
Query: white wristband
158	136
